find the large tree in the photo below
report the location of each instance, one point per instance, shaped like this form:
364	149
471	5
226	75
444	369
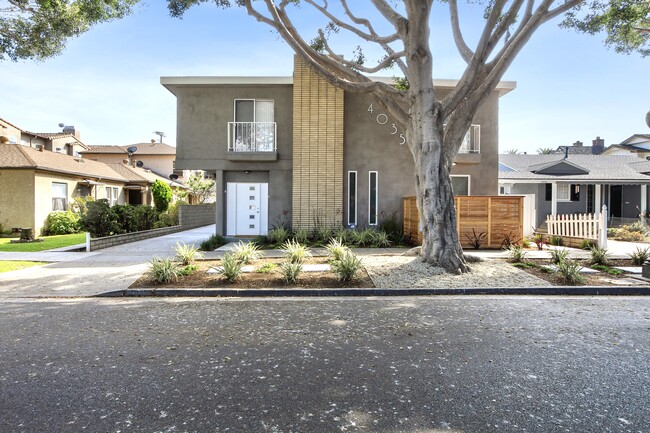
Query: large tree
434	126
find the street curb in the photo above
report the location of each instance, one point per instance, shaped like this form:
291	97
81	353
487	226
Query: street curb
256	293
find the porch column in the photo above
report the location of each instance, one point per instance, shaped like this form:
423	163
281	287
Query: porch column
598	196
644	198
553	198
221	200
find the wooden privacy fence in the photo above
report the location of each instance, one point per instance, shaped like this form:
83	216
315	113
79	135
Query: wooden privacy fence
582	226
498	217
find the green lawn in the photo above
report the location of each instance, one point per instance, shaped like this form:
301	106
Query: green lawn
49	242
13	265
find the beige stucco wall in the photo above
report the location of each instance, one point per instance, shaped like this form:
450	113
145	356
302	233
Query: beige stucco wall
16	198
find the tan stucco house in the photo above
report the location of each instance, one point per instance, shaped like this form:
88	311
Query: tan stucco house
67	142
301	149
36	182
156	157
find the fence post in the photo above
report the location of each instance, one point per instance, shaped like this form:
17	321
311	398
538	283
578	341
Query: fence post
602	228
87	242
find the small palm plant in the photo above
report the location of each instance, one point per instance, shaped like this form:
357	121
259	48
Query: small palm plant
247	252
290	271
346	267
335	249
599	256
187	254
517	253
163	270
230	267
295	252
640	256
558	256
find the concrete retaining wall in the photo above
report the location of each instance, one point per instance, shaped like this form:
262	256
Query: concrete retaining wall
197	215
111	241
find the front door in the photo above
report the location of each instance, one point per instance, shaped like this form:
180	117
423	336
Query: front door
247	212
615	200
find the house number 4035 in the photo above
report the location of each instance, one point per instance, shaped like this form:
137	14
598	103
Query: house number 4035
382	119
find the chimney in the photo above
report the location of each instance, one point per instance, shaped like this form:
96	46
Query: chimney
598	146
69	129
577	144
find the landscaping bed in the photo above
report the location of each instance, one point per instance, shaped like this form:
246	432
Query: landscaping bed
199	278
606	276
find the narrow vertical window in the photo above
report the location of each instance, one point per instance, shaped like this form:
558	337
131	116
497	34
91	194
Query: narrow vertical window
352	198
372	198
59	196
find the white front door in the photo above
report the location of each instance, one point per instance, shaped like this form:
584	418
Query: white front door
247	212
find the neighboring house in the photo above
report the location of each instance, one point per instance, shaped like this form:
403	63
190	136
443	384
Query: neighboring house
37	182
579	183
298	148
638	144
578	148
157	157
67	142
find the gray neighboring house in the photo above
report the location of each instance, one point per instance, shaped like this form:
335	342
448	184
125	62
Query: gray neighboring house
578	183
299	150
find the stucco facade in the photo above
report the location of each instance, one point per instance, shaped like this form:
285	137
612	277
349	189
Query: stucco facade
370	143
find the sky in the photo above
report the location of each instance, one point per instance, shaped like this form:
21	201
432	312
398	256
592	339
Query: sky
106	83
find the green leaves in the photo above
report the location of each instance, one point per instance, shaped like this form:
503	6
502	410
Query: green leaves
625	22
38	30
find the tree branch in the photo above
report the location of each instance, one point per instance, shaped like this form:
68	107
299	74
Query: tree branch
465	52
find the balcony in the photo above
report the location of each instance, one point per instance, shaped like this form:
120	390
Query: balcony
472	140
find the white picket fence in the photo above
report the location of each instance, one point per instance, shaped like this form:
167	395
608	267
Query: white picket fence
585	226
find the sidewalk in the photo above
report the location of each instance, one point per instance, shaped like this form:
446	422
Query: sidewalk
73	274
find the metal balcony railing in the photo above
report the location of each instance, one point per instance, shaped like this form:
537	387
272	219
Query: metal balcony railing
252	136
472	140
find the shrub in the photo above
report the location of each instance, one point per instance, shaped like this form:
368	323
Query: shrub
80	204
346	267
570	272
556	240
100	219
126	217
614	271
362	238
391	225
301	235
230	267
628	236
640	256
322	234
336	249
525	243
267	268
187	269
599	256
558	256
173	211
342	234
162	195
600	268
61	223
278	235
186	254
637	227
295	252
509	239
380	239
145	217
538	239
163	220
612	232
163	270
246	252
290	271
212	243
516	253
476	240
587	244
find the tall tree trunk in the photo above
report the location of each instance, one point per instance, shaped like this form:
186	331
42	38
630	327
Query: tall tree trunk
435	199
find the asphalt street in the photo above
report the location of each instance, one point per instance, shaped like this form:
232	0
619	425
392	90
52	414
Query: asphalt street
416	364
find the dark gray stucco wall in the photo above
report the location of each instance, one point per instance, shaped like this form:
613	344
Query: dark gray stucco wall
631	199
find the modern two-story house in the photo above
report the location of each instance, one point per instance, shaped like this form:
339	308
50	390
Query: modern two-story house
301	149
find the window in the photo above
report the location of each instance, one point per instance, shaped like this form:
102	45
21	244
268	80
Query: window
472	140
352	198
460	185
372	198
59	196
112	194
254	127
563	192
504	189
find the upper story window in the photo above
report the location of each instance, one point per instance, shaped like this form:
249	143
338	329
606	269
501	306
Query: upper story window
254	128
472	140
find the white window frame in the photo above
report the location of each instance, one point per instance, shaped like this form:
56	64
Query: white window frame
233	125
65	198
112	195
469	182
352	219
563	192
376	198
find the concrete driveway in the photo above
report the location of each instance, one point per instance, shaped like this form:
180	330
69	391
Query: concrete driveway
89	274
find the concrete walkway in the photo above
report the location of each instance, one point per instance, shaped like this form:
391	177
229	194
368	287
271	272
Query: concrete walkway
75	274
